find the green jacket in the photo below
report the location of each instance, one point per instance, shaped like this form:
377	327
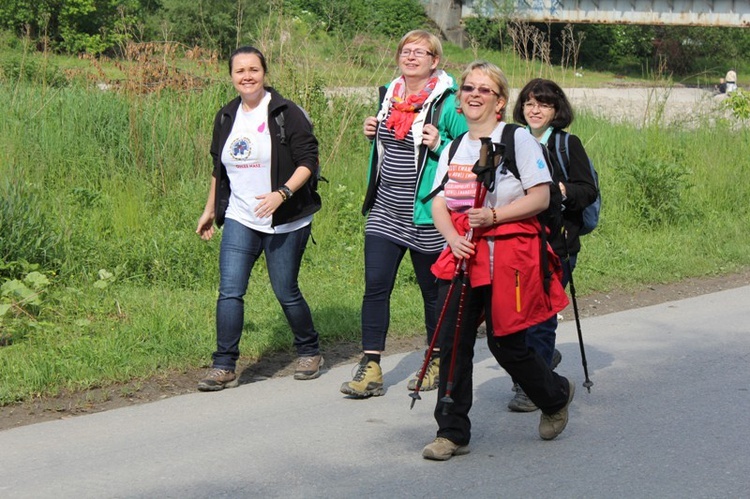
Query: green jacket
449	123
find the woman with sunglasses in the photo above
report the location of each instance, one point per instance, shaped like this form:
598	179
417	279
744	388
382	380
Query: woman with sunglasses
417	117
503	266
545	111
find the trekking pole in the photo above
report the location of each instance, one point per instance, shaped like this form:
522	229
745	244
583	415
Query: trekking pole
485	179
420	377
587	383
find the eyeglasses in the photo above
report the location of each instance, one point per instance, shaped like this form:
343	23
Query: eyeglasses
416	52
541	105
480	90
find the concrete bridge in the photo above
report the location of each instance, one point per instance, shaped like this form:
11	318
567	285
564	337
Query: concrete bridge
731	13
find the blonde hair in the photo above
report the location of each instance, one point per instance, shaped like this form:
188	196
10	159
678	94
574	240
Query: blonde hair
420	35
494	73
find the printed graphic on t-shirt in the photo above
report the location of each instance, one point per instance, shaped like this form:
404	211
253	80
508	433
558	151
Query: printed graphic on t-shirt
461	187
240	149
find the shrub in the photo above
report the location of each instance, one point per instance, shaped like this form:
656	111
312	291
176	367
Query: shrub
15	69
739	103
27	232
656	187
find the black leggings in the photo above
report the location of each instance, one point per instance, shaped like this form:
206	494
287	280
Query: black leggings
382	259
545	388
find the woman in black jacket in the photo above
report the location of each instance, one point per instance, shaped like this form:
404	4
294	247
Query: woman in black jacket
265	160
545	111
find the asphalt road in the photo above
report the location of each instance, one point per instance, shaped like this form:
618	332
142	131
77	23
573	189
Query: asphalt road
668	417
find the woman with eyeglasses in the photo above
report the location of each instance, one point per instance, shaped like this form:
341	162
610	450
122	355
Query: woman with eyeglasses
417	117
502	262
545	111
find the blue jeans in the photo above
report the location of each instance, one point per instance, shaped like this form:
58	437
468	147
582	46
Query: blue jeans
382	259
240	249
541	338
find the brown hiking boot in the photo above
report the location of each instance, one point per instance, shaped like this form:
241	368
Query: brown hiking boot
442	449
308	367
551	426
367	382
218	379
431	378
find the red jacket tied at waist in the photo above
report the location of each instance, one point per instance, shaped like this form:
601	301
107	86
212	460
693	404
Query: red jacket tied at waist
507	256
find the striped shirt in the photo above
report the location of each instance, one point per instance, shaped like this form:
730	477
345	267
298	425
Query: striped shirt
392	215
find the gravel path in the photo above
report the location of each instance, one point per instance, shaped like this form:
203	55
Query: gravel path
635	105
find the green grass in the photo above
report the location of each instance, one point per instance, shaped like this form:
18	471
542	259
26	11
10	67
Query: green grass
102	191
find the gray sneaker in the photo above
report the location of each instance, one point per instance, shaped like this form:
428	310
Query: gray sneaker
308	367
218	379
521	402
550	426
556	359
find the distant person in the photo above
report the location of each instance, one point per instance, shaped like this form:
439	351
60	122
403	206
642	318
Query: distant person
545	111
504	267
731	79
721	88
262	195
417	117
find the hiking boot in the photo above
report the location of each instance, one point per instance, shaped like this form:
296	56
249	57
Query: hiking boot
218	379
367	382
551	426
308	367
521	402
442	449
556	359
431	378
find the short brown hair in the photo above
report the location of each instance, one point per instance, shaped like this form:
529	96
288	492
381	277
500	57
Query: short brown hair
420	35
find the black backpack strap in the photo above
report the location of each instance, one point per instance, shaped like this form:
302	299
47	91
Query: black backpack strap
508	150
280	119
381	93
562	152
451	152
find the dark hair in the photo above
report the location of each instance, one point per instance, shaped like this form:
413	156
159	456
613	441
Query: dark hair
546	92
247	49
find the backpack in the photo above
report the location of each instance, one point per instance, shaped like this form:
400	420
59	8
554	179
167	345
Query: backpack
591	212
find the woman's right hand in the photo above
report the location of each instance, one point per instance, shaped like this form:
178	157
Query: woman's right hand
206	226
371	127
461	247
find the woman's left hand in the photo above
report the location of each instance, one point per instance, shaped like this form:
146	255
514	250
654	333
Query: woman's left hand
430	137
480	217
268	204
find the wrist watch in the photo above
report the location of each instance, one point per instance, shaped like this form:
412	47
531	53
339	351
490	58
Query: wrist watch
286	191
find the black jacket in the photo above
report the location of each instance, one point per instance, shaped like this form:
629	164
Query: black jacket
301	149
580	189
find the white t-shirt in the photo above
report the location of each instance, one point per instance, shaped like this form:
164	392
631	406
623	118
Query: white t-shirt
247	158
460	189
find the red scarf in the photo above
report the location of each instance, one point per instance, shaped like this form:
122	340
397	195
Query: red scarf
405	109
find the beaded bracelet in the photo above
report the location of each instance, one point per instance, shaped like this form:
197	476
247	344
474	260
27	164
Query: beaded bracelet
494	216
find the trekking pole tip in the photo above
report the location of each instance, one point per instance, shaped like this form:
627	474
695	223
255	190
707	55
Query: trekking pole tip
588	384
414	397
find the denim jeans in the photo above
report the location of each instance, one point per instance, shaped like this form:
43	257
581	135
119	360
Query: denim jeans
240	249
382	259
541	338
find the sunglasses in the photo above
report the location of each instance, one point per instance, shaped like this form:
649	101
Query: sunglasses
480	90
